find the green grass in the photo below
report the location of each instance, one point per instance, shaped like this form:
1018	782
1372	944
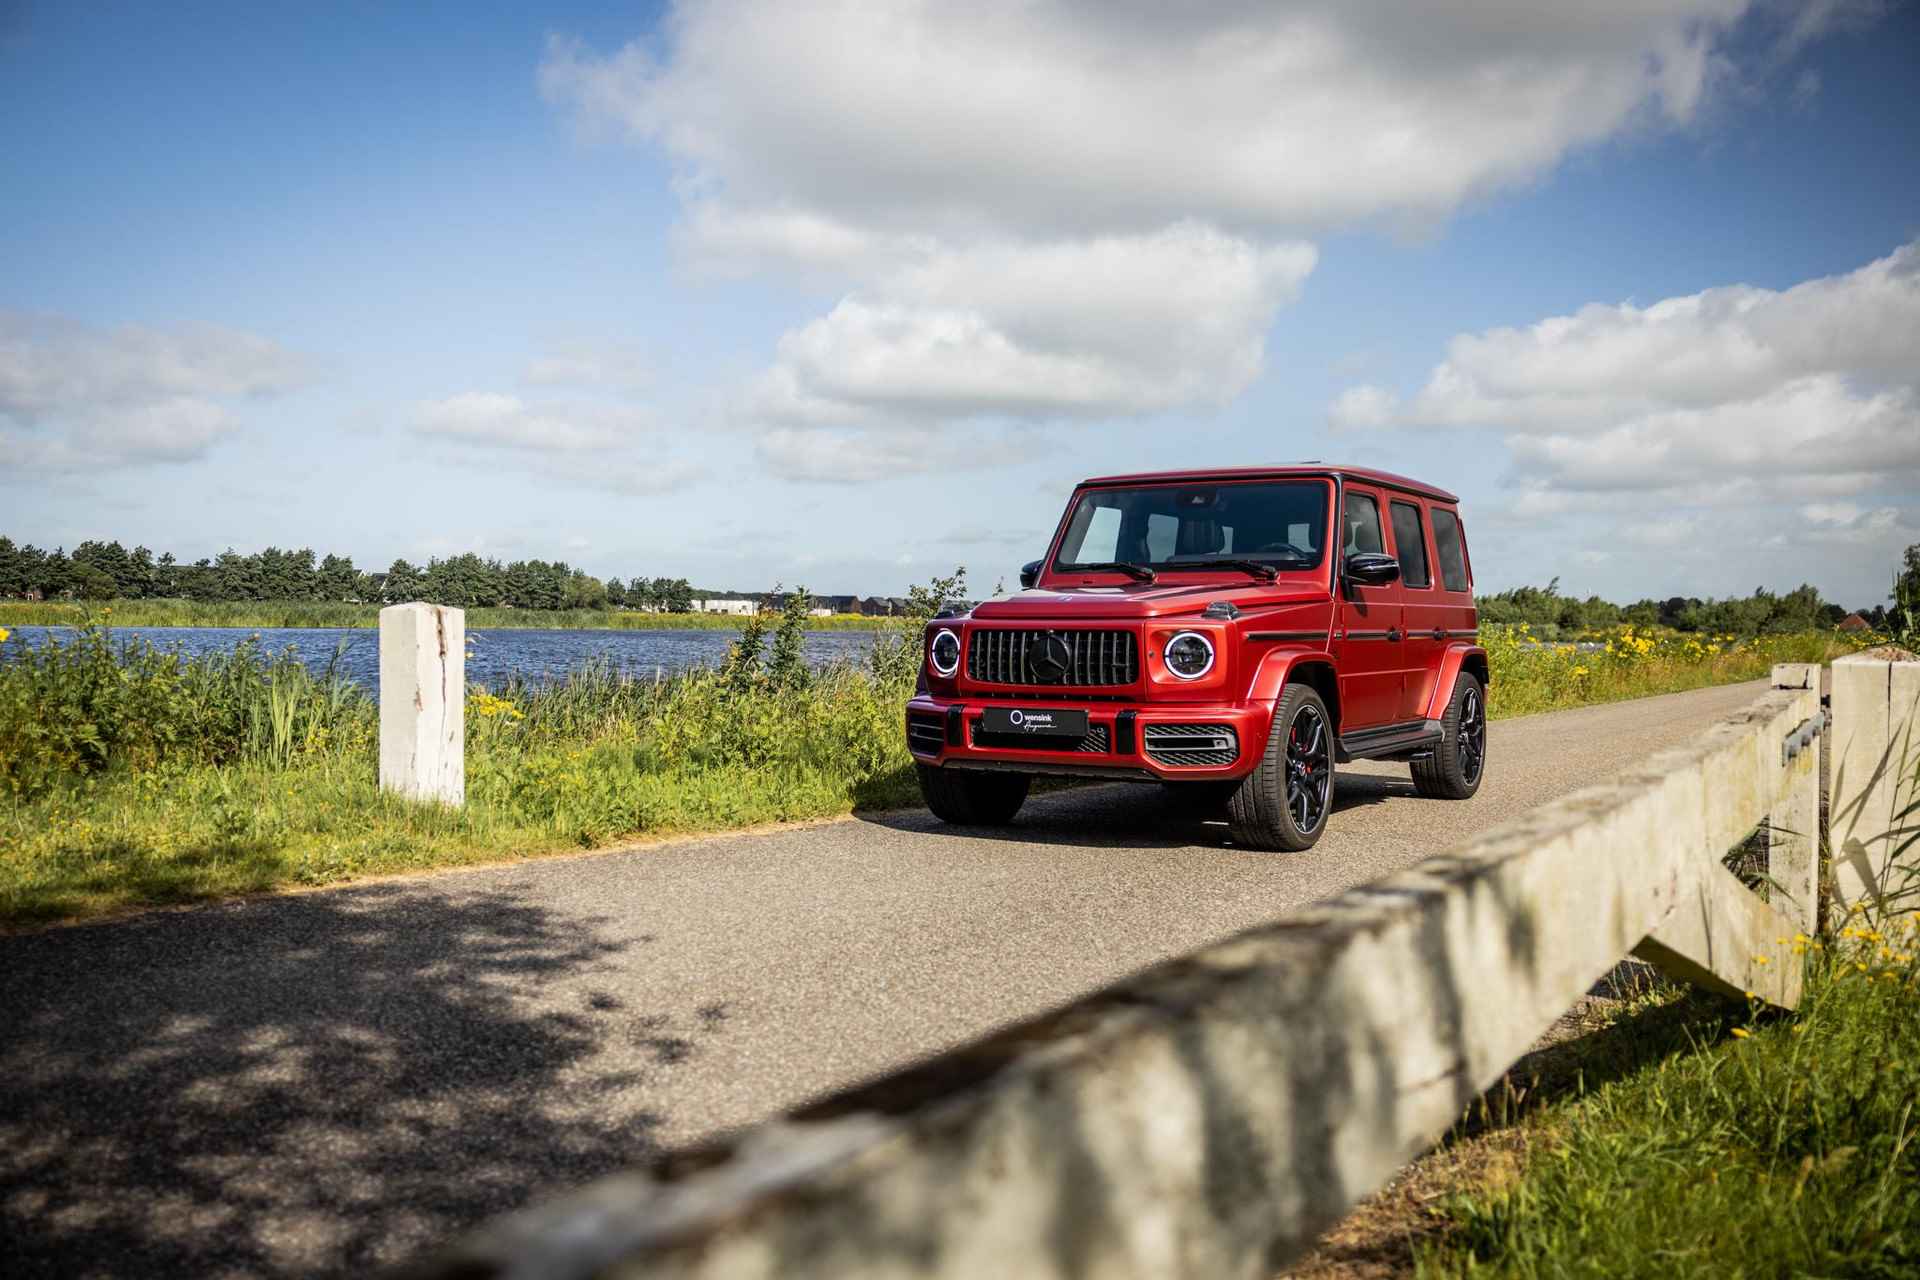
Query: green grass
307	613
131	776
1530	677
1748	1145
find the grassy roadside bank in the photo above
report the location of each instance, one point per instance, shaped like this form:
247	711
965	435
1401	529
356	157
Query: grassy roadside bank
135	777
1729	1141
269	614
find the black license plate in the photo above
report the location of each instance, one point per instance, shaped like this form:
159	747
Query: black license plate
1038	724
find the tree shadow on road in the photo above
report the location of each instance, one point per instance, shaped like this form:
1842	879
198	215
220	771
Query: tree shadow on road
315	1083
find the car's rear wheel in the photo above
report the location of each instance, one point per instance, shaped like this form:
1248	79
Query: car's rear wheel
972	798
1454	770
1284	802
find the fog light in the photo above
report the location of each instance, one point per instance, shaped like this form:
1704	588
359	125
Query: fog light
944	652
1189	655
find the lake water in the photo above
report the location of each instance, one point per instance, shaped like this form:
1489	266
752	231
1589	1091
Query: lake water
491	655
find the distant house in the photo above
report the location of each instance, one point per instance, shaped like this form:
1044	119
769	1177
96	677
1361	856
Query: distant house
728	602
883	606
836	604
1853	622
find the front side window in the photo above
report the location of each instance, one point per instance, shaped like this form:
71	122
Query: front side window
1363	525
1411	543
1279	523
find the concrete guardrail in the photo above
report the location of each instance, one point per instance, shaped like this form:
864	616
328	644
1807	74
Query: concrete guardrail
1212	1116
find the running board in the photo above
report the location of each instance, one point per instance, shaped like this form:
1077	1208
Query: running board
1391	740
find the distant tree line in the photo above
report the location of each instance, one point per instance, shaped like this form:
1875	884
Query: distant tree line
109	571
1763	612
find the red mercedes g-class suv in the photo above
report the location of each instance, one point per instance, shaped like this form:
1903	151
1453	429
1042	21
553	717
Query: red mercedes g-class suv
1200	629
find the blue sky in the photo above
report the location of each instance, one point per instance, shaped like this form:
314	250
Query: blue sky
748	293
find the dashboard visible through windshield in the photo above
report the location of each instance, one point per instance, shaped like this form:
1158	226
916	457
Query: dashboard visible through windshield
1280	524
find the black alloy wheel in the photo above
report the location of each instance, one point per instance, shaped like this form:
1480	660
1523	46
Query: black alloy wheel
1309	767
1454	770
1284	802
1473	735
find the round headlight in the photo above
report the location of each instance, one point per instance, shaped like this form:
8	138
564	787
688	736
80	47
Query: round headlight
944	652
1189	655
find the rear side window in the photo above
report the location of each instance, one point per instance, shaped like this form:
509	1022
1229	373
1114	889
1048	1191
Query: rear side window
1410	541
1452	549
1363	525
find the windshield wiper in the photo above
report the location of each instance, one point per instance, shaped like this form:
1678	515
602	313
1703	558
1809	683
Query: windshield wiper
1264	572
1138	572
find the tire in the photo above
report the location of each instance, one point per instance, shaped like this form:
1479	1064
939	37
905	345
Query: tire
1454	770
968	798
1285	801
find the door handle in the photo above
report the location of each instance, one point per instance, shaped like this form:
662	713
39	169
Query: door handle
1439	633
1393	633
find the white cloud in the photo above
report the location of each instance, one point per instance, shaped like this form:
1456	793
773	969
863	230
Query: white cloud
589	444
1046	209
853	457
1730	384
491	418
1736	435
1082	116
606	366
73	396
1091	328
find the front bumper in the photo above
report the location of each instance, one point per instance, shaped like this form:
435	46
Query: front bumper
1126	741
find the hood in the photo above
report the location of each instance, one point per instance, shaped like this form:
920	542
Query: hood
1146	600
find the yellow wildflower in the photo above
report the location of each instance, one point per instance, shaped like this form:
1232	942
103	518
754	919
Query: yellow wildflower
1742	1032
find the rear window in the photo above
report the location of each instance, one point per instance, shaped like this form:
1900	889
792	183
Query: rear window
1411	544
1452	549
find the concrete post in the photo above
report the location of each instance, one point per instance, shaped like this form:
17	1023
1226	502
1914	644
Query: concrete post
1793	826
423	682
1872	824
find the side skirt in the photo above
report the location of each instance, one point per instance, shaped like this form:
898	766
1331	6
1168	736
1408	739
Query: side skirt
1391	741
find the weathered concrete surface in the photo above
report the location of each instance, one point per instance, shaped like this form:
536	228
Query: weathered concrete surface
1793	826
323	1083
1873	822
1212	1116
423	688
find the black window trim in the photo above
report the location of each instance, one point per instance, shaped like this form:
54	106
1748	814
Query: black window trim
1426	554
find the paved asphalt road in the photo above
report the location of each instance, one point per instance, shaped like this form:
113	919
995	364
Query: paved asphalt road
326	1082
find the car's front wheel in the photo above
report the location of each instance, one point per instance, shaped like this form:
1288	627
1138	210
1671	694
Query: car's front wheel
971	798
1284	802
1454	770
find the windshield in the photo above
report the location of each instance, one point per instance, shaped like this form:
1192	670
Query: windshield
1171	526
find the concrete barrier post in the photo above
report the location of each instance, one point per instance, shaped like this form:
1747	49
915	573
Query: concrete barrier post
1873	830
1793	826
423	682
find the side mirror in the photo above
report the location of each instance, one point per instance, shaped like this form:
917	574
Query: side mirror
1372	568
1029	574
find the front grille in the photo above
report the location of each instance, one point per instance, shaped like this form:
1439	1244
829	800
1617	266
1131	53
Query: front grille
1006	656
1095	741
1193	744
926	732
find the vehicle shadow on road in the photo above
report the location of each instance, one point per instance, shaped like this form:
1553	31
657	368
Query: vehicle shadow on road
1131	815
319	1083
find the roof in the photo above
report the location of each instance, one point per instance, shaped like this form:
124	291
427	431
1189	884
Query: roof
1365	474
